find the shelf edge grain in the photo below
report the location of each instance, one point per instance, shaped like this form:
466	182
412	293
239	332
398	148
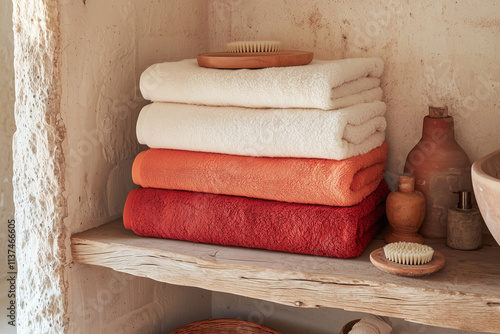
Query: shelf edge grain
297	280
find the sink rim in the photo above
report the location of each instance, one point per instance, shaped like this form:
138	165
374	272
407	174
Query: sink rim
487	190
477	167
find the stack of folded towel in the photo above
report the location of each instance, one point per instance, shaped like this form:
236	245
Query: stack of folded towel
289	159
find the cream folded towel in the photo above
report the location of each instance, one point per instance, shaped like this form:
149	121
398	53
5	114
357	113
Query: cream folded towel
371	324
301	133
320	84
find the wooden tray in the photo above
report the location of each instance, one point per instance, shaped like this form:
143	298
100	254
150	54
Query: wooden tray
377	257
234	60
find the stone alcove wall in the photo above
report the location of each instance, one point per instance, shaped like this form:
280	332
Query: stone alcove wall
39	168
77	66
7	128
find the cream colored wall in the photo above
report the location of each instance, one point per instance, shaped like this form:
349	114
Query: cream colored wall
295	320
105	47
7	125
7	128
87	57
443	51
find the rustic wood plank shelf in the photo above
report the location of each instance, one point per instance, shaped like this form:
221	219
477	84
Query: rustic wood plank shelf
465	294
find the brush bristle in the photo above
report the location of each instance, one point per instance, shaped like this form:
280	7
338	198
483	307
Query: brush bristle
253	46
408	253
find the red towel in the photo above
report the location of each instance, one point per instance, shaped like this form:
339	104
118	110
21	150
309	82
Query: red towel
311	181
342	232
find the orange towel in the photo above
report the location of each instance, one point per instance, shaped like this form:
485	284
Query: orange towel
299	180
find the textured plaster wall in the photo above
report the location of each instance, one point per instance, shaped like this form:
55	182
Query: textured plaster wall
7	128
39	169
442	51
105	46
77	69
105	301
7	125
295	320
77	65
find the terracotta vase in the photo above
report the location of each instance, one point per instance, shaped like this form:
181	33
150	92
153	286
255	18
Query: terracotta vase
405	209
441	167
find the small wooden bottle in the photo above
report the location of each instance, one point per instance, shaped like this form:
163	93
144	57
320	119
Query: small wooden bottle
405	209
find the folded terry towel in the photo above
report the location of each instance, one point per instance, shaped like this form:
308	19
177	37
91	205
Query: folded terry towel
304	133
239	221
371	324
311	181
316	85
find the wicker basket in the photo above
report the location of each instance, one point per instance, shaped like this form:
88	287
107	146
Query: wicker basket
224	326
347	327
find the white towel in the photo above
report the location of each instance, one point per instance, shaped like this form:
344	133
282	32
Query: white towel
320	84
303	133
371	324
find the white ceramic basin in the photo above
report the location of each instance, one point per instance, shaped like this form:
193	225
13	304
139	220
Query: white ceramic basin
486	183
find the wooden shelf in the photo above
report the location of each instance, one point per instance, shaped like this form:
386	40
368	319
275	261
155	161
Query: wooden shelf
465	294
